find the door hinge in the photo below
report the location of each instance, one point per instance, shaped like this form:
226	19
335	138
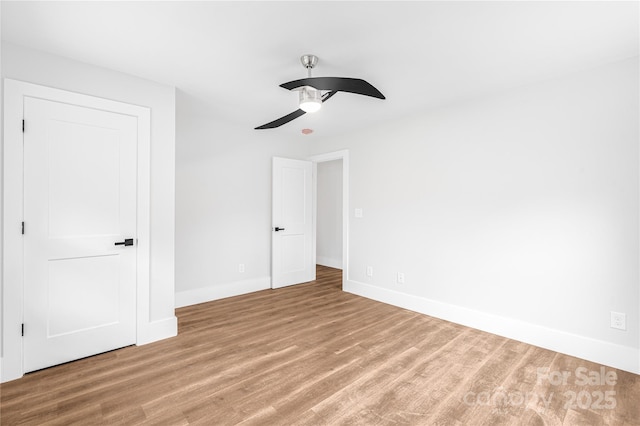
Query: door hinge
22	126
22	228
23	329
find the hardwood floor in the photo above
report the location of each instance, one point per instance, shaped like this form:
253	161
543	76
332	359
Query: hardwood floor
313	355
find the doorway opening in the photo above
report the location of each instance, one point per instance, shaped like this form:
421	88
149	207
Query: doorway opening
329	214
331	206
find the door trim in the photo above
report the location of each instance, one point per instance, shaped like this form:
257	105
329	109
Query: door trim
11	349
321	158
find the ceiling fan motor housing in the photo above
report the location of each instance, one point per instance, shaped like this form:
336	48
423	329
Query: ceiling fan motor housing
310	99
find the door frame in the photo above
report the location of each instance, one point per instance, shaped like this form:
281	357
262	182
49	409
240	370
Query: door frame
321	158
11	349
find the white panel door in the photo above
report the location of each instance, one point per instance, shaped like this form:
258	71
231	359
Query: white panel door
79	201
292	254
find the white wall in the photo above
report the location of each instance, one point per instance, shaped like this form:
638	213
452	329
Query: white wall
329	214
1	186
516	213
223	209
48	70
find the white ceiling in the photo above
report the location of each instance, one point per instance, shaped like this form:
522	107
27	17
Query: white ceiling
227	58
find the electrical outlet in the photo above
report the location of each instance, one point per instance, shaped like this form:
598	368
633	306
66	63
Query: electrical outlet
618	320
400	278
241	268
370	271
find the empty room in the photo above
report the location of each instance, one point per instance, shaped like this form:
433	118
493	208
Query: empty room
320	213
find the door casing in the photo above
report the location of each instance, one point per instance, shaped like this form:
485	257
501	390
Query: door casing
11	349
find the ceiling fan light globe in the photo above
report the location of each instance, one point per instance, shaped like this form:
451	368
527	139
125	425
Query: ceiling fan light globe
310	99
311	105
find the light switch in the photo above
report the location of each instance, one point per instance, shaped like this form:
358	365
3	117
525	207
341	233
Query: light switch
358	213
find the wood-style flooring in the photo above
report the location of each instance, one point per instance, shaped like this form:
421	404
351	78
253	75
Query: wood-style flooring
313	355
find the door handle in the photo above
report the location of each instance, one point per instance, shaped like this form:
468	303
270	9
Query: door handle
126	242
278	229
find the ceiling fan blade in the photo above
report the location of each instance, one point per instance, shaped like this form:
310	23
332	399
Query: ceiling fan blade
338	84
282	120
289	117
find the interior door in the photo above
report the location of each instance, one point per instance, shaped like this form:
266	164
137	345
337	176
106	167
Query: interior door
292	253
79	211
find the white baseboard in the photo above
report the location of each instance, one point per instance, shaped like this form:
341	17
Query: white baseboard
220	291
328	261
617	356
157	330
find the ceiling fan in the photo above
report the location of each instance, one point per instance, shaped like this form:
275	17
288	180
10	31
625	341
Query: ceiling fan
310	90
